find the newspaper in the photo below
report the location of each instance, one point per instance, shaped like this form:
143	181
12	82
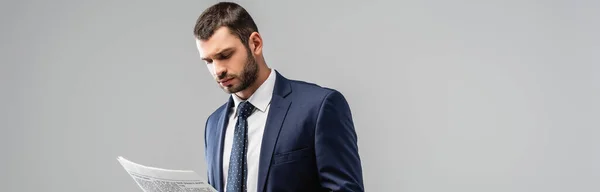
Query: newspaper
152	179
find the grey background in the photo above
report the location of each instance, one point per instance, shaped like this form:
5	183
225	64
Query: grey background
447	95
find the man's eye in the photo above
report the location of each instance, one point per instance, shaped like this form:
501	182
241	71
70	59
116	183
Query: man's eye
225	56
208	61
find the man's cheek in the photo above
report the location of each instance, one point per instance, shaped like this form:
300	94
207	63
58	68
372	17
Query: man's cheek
211	69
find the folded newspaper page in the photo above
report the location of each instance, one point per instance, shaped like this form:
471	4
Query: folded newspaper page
152	179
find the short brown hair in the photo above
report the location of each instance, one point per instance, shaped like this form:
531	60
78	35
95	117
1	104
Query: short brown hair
225	14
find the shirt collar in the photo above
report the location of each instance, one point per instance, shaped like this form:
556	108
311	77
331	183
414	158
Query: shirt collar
261	98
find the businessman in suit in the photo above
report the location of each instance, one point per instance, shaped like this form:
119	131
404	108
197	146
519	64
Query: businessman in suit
272	134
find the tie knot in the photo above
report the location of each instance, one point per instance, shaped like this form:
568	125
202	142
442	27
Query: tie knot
244	110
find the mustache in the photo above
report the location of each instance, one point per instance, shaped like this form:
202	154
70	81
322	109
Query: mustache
224	75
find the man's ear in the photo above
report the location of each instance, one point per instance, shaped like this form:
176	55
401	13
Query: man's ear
256	43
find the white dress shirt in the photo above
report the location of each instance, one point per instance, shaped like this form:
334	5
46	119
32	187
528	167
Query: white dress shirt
261	100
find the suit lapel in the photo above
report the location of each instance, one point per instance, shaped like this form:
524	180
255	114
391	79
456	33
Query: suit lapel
223	120
277	113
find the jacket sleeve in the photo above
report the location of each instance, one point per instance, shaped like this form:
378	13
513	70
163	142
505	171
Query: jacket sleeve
336	146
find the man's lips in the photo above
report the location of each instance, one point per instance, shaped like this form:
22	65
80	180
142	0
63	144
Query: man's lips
225	82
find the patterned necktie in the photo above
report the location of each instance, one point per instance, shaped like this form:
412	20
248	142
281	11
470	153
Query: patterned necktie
236	176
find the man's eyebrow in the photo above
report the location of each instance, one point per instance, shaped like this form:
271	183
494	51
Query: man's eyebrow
220	52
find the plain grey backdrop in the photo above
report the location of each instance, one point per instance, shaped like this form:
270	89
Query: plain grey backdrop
458	95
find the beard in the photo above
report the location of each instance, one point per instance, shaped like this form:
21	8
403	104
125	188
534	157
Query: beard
247	78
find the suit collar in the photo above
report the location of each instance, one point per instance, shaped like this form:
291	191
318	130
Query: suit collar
282	85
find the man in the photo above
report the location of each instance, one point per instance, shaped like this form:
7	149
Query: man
273	133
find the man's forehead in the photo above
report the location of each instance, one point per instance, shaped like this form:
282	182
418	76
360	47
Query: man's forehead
221	39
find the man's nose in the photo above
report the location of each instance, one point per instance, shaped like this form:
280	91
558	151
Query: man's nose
219	69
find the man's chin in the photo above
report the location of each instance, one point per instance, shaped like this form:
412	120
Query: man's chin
230	90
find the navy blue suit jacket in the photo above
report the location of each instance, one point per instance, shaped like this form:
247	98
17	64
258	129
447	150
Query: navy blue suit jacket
309	141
